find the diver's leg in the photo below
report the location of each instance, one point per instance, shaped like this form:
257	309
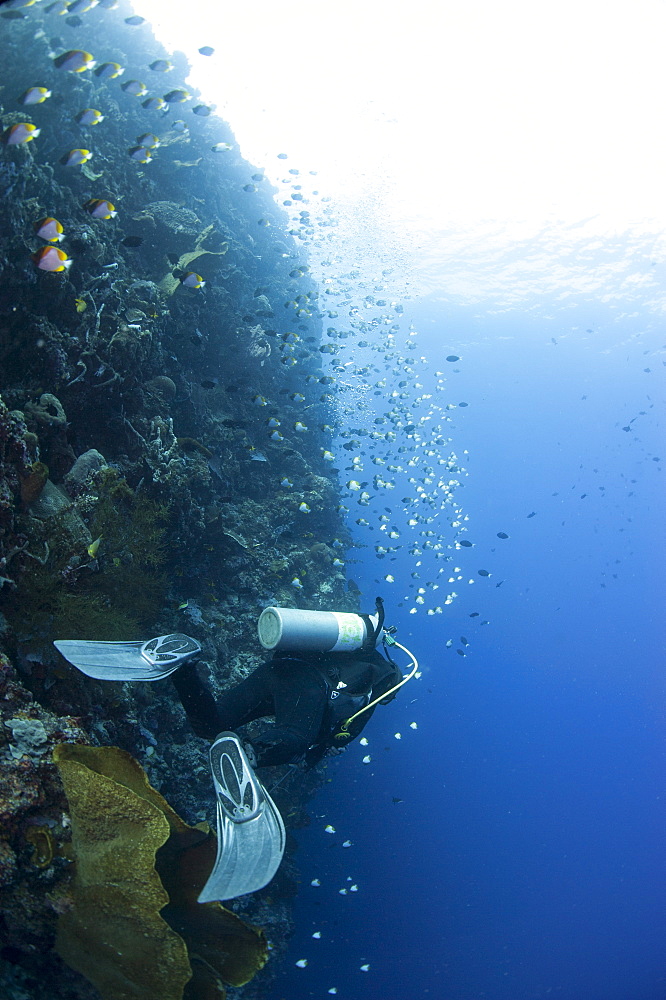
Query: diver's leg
248	700
197	700
299	696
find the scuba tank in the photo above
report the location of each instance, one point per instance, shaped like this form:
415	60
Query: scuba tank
319	631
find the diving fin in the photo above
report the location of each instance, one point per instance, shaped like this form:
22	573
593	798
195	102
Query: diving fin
129	661
250	831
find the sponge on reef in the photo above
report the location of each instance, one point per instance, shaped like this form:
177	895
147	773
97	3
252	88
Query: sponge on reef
114	933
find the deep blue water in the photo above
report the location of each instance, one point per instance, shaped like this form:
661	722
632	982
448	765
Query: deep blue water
525	858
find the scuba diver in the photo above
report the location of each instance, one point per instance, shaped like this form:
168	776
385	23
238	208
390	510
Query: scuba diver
322	685
309	692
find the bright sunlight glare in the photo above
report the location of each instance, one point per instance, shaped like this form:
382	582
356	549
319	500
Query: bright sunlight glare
429	120
512	109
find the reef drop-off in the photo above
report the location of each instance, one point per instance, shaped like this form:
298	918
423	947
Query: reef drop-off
154	476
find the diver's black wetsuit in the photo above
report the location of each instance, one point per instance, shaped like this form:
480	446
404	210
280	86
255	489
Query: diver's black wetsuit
300	691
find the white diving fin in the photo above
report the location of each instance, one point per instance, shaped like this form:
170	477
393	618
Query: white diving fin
129	661
250	832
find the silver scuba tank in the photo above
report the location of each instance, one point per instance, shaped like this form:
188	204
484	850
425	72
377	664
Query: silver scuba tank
316	631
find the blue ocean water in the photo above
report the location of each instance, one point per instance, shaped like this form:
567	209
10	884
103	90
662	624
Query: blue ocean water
511	846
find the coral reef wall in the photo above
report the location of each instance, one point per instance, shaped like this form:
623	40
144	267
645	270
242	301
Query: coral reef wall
162	419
